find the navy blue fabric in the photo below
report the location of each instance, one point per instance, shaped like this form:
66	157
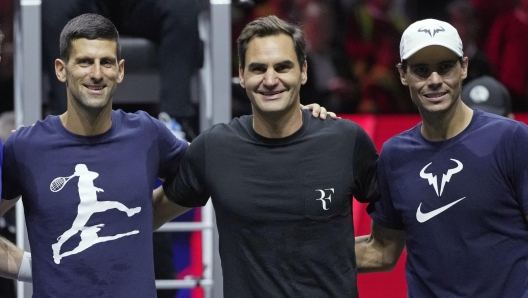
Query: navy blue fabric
119	168
477	247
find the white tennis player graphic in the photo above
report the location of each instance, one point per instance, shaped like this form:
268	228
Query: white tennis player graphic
88	205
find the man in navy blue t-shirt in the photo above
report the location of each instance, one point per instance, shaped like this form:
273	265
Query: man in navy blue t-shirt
86	177
454	188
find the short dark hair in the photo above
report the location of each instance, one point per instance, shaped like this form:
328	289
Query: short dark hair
267	26
90	26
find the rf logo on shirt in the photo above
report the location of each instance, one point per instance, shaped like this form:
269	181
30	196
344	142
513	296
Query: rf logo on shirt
324	193
433	180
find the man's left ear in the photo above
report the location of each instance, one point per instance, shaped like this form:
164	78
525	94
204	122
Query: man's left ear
304	72
465	65
121	66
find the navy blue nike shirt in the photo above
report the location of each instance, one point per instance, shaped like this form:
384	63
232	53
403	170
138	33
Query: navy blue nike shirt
462	203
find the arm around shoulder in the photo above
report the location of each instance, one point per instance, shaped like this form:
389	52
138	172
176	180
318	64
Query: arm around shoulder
380	250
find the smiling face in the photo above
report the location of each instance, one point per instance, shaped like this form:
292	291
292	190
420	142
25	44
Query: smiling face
434	76
91	73
272	75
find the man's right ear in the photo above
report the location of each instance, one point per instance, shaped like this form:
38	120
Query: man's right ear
241	76
60	70
403	78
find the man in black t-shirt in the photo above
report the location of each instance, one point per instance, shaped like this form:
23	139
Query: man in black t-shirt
281	181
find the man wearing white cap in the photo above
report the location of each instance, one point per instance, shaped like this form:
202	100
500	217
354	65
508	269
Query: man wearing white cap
454	188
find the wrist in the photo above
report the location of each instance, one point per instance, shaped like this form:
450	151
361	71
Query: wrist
24	274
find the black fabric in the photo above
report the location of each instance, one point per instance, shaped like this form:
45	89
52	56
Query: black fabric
164	262
283	206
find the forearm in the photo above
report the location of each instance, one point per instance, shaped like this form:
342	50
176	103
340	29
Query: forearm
380	250
370	257
10	259
14	262
163	209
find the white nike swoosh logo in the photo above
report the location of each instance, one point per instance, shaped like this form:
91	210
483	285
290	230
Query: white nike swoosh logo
423	217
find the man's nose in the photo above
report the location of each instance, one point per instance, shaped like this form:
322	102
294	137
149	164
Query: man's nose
434	79
96	71
270	77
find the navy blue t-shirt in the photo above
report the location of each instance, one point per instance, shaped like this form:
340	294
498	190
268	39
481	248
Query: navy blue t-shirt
462	203
88	203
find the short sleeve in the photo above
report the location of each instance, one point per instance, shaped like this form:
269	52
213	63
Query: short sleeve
365	161
171	151
188	187
383	211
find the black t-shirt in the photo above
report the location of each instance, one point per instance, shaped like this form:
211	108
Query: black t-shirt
283	206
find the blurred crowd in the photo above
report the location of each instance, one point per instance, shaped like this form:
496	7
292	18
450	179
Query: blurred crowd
353	47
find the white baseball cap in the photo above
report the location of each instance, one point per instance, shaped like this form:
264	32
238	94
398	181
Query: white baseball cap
429	32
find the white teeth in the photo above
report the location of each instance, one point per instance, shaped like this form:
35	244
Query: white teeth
433	95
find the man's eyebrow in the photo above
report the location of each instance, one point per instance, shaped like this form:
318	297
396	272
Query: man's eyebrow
86	58
254	65
418	64
440	62
83	58
109	58
287	63
449	61
284	63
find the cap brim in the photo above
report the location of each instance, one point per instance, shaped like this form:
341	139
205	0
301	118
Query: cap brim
413	51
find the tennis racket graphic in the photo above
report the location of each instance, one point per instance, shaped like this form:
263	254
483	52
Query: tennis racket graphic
58	183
